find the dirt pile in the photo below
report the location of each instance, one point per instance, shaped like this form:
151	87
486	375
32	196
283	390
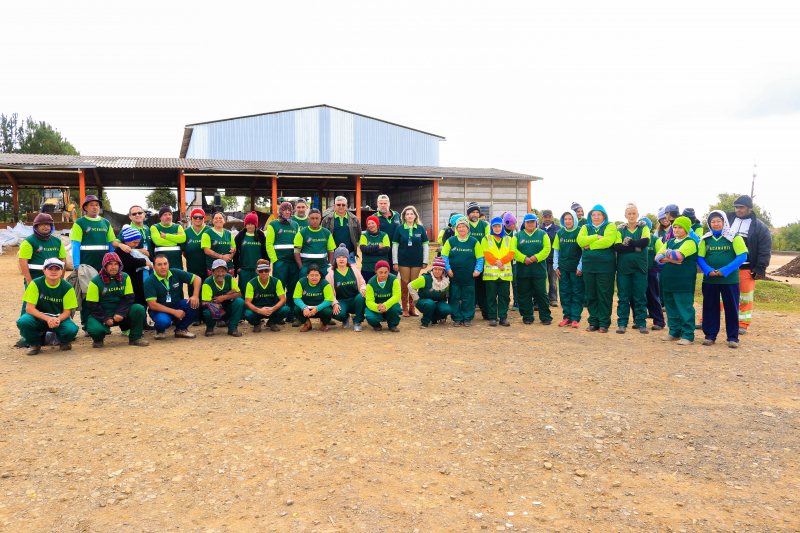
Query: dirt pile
790	269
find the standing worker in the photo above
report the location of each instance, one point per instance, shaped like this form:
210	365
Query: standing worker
568	264
654	308
498	251
218	243
167	238
633	239
313	245
510	229
551	228
374	246
279	243
533	248
37	248
250	246
409	254
463	257
300	216
136	216
597	239
193	247
344	227
388	220
679	257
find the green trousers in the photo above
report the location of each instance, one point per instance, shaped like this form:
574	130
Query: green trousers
134	322
325	315
245	276
434	310
530	289
391	316
462	301
233	313
352	306
680	314
480	296
276	316
573	295
497	298
632	286
600	293
30	327
289	274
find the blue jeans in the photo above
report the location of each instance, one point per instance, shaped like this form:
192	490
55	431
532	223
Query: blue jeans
163	320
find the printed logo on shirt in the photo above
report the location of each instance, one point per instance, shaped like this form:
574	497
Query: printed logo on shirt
50	299
176	285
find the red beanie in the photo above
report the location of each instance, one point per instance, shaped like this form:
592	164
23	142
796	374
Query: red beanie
381	264
374	219
197	211
251	218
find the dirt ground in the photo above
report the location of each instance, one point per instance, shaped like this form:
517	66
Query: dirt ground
528	428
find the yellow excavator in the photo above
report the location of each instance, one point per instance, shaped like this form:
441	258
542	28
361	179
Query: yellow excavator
56	200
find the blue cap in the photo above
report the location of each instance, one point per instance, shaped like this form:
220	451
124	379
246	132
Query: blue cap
529	216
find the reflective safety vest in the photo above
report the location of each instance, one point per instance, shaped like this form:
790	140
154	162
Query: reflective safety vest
490	270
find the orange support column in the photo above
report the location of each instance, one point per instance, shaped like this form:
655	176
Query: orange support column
358	198
82	189
275	196
435	209
181	195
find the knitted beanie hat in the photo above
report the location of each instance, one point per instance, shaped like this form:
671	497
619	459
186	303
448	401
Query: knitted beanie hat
381	264
341	251
375	219
683	222
164	209
461	220
575	206
438	262
130	234
251	218
473	206
197	212
509	219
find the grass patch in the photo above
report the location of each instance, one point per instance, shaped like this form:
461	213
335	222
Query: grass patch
769	296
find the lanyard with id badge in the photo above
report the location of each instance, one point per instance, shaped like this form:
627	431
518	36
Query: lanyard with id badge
168	299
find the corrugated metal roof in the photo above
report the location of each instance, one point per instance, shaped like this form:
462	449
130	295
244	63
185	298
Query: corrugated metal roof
23	161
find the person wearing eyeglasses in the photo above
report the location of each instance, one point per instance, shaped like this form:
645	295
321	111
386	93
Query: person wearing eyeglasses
136	214
344	226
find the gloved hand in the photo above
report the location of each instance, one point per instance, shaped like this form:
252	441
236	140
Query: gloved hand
627	241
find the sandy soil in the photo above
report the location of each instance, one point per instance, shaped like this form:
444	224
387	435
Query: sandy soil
442	429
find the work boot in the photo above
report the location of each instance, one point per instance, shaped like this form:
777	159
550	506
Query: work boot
684	342
274	327
423	325
708	342
669	337
33	350
65	346
257	328
138	342
412	308
527	321
148	327
621	330
504	322
185	335
346	323
493	322
196	321
394	329
98	344
553	304
733	344
457	323
593	328
656	327
742	331
643	330
357	327
467	323
546	322
404	298
160	336
234	333
209	333
323	327
306	326
378	327
603	329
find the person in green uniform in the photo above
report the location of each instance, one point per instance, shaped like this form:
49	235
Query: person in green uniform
409	254
163	292
569	269
264	297
136	214
167	238
720	255
382	299
111	301
250	246
313	246
679	257
193	249
313	298
430	292
222	299
279	244
463	258
631	244
37	248
90	236
374	246
218	243
388	220
348	287
478	228
579	212
300	216
49	300
533	248
597	239
499	250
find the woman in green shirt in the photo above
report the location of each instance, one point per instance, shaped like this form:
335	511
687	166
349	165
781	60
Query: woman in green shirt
409	254
679	257
217	243
374	245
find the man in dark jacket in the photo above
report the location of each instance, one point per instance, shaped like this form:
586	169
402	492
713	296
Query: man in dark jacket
758	239
344	226
551	228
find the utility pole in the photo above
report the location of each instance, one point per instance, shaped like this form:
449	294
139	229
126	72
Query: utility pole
753	184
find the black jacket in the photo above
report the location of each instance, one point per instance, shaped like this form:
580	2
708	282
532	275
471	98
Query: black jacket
551	232
759	245
239	239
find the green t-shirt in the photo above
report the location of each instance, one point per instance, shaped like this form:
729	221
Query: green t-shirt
169	246
264	296
409	241
218	242
680	278
463	256
346	284
250	252
36	251
50	300
167	291
719	253
389	224
368	262
108	296
210	288
280	240
479	229
313	295
314	246
193	251
633	262
534	244
569	252
424	285
94	234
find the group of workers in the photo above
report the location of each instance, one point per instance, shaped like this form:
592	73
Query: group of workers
311	257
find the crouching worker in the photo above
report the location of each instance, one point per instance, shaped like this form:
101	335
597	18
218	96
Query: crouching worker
163	292
265	297
49	300
222	299
383	299
110	300
348	287
313	298
429	292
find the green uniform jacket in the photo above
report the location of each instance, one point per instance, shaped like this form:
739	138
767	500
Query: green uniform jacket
387	294
170	245
536	244
280	240
600	257
683	277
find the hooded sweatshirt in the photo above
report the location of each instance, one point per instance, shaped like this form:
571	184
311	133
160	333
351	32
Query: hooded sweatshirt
568	254
598	244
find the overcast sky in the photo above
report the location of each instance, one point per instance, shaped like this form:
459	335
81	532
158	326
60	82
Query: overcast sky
609	102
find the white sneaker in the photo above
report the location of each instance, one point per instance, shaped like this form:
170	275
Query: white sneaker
346	323
357	327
